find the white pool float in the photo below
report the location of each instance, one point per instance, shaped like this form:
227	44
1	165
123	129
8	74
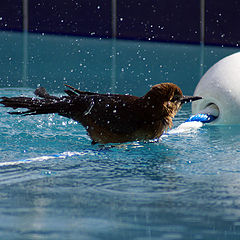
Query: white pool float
220	89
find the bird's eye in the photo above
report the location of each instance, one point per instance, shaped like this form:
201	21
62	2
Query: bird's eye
175	98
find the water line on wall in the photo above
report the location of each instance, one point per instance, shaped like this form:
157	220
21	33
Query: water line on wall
113	53
25	43
202	35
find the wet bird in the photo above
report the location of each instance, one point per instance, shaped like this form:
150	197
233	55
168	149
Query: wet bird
110	118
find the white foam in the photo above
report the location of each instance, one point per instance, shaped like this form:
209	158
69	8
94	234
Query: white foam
186	127
42	158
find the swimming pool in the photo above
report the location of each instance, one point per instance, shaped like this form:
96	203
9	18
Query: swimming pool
55	185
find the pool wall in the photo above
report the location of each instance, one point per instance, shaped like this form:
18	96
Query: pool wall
86	43
213	22
105	65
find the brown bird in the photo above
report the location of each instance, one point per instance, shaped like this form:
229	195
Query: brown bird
110	118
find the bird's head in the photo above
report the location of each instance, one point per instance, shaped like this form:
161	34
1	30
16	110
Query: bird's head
171	92
170	97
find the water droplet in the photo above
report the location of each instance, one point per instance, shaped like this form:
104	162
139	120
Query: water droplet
47	173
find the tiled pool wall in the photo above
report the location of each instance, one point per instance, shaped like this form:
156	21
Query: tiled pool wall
101	65
82	43
211	21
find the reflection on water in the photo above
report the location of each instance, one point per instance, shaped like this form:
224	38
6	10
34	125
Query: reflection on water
185	186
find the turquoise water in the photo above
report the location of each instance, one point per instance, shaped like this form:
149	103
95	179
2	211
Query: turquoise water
100	64
55	185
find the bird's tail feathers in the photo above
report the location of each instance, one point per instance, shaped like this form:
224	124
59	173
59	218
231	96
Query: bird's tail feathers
46	104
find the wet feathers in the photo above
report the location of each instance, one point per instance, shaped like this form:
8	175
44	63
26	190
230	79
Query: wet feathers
109	118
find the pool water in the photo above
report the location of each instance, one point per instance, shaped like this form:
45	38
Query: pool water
55	185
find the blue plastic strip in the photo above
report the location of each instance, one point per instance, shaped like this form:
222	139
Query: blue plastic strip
202	117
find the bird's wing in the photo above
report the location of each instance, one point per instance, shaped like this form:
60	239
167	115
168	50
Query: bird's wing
76	92
120	114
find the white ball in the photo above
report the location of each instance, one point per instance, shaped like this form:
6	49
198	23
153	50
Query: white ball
220	86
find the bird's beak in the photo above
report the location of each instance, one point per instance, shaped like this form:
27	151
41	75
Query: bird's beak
186	99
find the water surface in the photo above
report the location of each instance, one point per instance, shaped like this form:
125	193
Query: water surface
55	185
